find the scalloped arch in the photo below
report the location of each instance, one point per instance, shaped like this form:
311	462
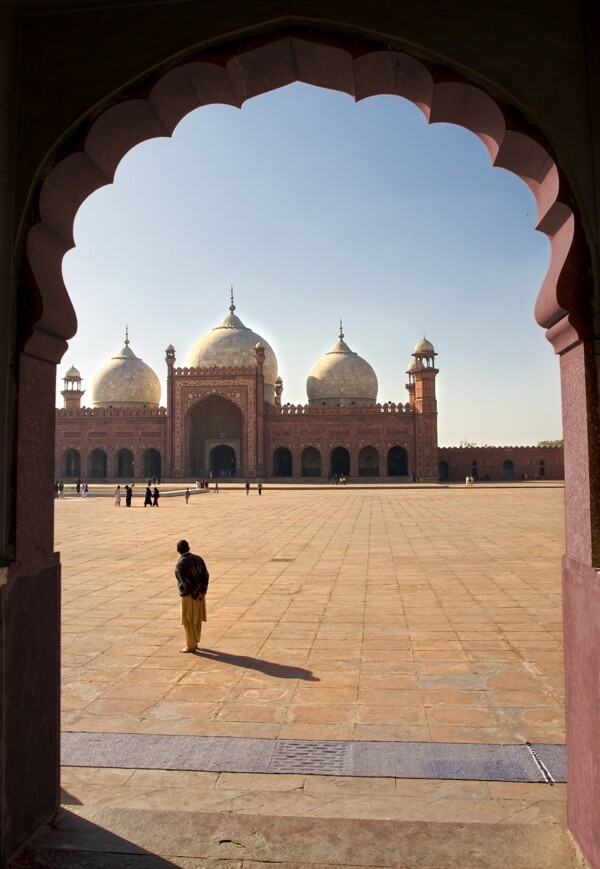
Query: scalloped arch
284	60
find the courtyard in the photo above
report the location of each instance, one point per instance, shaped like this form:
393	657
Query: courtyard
352	614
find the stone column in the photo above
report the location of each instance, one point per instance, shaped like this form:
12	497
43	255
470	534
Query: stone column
581	589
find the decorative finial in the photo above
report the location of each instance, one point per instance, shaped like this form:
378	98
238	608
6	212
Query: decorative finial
232	306
126	335
341	331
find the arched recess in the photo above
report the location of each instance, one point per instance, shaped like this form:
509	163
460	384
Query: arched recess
310	462
339	462
362	71
214	421
397	462
151	464
97	464
222	461
508	470
70	465
368	462
282	462
443	470
124	464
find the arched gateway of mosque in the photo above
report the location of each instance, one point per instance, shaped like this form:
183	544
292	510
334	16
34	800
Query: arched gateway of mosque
522	76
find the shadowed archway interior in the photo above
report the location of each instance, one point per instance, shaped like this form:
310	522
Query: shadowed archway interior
215	437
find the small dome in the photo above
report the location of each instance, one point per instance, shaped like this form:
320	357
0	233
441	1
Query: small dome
424	346
125	381
342	377
233	344
413	365
73	373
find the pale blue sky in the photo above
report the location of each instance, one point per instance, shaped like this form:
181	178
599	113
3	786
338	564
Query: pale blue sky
317	208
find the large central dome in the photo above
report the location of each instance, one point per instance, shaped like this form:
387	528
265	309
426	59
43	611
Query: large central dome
342	377
233	344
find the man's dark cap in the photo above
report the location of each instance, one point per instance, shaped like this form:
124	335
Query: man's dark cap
183	546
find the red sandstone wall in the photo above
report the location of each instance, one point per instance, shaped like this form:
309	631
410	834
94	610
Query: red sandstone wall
110	429
490	462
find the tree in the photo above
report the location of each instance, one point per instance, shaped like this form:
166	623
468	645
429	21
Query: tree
558	443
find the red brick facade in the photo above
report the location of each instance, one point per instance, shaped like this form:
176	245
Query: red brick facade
501	463
212	408
209	408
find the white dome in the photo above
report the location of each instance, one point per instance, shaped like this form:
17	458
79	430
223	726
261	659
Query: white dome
125	381
423	346
73	372
233	344
342	377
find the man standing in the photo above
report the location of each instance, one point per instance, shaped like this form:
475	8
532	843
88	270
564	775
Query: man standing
192	582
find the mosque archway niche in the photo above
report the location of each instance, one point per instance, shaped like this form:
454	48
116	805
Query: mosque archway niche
340	462
212	423
124	464
282	462
368	462
97	464
151	464
397	462
508	470
222	461
71	464
310	462
443	470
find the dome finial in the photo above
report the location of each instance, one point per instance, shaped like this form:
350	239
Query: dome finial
341	331
126	335
232	305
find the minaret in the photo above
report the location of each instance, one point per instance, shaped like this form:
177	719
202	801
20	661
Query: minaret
72	391
423	376
278	390
170	360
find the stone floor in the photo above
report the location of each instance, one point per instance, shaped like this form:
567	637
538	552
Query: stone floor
419	613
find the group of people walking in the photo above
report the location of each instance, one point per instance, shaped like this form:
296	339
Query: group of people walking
150	499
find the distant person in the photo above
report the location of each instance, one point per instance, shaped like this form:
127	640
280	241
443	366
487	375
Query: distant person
84	490
148	497
187	496
56	489
192	582
128	495
155	497
216	487
259	487
117	494
247	487
61	489
78	485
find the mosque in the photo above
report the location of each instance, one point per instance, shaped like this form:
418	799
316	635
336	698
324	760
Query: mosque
224	416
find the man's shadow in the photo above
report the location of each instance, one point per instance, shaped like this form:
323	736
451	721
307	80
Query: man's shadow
270	668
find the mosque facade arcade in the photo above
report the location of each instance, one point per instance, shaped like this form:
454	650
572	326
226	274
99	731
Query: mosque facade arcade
225	416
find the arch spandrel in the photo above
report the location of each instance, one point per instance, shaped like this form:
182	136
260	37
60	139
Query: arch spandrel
271	65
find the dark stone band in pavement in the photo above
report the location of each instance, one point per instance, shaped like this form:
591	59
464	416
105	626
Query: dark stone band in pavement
415	760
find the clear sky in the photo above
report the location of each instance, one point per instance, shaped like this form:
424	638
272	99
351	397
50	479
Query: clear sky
316	208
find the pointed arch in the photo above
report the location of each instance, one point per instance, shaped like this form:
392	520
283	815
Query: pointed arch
326	62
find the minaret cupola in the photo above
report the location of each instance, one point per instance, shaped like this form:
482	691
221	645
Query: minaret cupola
72	391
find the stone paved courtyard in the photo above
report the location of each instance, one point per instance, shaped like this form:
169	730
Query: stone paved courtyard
334	613
421	614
